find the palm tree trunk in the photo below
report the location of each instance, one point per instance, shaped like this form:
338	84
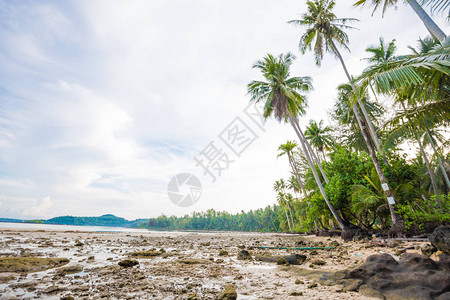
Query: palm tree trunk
297	175
387	191
287	218
430	171
297	129
427	21
439	159
313	155
292	219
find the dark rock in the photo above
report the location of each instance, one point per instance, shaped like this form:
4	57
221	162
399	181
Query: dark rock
298	281
334	244
68	297
293	259
244	254
223	253
360	235
414	276
228	294
440	238
282	261
312	285
128	263
296	294
318	262
428	249
69	270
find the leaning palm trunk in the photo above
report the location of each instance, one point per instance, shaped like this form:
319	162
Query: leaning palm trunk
297	129
292	219
314	156
427	21
429	169
287	218
387	191
447	181
297	175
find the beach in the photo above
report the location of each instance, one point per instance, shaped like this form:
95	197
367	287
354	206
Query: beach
179	265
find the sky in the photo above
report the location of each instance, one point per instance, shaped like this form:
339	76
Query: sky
103	102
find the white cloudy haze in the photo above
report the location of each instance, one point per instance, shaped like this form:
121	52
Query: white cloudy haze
102	102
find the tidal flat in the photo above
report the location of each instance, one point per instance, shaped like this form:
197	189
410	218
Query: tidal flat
181	265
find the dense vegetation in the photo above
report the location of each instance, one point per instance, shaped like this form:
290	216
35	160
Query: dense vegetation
354	173
105	220
262	220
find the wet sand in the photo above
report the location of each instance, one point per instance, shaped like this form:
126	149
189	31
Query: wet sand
188	266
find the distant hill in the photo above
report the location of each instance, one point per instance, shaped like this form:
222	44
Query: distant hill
105	220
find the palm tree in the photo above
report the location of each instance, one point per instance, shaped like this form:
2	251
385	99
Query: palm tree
288	149
323	31
319	136
381	53
279	187
431	26
281	94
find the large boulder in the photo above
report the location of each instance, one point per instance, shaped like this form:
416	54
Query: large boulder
440	238
293	259
414	276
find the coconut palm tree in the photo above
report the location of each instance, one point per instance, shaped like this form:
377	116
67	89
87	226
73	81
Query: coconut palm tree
288	149
279	187
319	136
324	30
431	26
284	98
381	53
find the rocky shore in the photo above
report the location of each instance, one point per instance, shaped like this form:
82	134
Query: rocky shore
170	265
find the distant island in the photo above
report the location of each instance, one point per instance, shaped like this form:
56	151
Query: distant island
107	220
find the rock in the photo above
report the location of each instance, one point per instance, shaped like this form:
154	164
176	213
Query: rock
78	244
428	249
244	254
91	258
370	292
68	297
223	253
194	261
293	259
128	263
334	244
228	294
296	294
360	235
51	289
318	262
312	285
30	264
7	278
414	276
69	270
146	254
282	261
440	238
352	285
298	281
192	296
219	261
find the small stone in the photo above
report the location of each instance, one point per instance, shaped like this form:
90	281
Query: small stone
223	253
334	244
296	294
298	281
244	254
127	263
51	289
228	294
318	262
312	285
428	249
